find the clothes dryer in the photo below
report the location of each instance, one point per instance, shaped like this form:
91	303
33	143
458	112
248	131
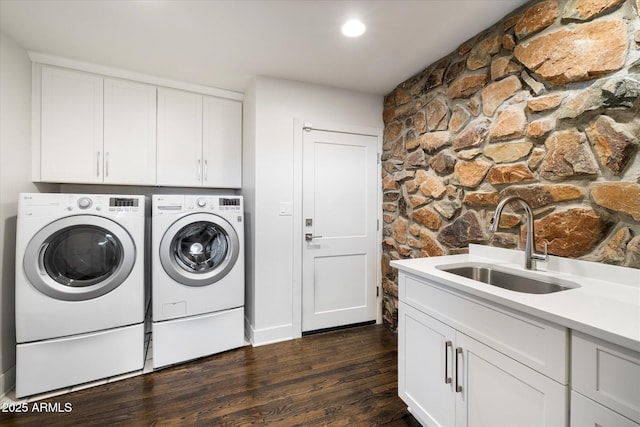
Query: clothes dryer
80	289
197	268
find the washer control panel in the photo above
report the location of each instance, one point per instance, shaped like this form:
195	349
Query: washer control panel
175	204
229	201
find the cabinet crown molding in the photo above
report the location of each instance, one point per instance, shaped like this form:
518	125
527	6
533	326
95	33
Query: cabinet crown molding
46	59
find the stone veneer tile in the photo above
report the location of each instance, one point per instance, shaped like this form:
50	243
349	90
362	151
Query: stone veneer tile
537	18
623	197
467	85
615	146
570	233
496	93
582	53
585	10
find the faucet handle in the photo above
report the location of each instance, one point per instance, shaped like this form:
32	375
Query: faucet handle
544	256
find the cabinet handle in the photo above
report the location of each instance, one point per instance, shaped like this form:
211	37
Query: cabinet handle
98	164
447	346
205	170
458	385
106	164
199	170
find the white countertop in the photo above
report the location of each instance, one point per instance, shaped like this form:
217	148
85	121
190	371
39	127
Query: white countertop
606	305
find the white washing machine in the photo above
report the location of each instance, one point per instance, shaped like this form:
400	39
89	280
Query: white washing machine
80	289
197	266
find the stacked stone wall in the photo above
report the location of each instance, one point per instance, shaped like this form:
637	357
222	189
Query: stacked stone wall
545	105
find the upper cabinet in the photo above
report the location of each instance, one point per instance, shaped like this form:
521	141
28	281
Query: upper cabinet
71	122
221	142
199	140
129	133
93	129
179	138
96	130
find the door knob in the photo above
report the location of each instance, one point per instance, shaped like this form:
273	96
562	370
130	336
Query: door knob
309	237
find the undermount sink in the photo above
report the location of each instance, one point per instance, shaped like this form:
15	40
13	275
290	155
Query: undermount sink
512	280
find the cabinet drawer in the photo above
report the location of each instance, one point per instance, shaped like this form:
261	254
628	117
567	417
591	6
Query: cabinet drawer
606	373
540	345
587	413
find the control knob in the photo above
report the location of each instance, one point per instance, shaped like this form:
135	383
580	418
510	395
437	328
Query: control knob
84	203
201	202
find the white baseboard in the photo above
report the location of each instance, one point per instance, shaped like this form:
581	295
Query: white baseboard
265	336
7	381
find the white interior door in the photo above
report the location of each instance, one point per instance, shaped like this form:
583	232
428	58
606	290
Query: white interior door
340	189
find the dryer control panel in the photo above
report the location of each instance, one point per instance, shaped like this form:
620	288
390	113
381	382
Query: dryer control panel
51	204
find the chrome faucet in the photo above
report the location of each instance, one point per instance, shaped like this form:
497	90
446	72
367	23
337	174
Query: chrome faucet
529	250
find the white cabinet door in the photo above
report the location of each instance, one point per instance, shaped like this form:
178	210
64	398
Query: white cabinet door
587	413
606	373
71	126
425	367
497	391
129	133
179	150
222	143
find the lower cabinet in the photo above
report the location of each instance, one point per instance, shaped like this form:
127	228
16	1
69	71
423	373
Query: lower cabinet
605	379
465	361
449	379
587	413
425	370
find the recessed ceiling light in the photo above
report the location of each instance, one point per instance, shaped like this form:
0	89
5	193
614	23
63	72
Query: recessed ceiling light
353	28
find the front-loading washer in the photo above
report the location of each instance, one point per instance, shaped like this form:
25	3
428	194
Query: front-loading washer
197	266
80	289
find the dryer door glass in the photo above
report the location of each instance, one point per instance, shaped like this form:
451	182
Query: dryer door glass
82	256
201	246
79	257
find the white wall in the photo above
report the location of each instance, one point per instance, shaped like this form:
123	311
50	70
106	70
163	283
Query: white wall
15	177
248	191
271	107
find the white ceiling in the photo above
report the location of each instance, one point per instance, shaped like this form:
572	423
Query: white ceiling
224	43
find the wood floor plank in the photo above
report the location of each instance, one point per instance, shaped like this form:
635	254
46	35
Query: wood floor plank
345	377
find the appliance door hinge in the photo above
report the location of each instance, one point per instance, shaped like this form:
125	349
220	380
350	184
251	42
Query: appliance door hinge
377	291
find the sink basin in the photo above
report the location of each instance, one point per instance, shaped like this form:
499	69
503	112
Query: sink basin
513	280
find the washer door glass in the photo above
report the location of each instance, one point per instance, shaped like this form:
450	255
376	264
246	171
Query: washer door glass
82	256
201	246
79	257
199	249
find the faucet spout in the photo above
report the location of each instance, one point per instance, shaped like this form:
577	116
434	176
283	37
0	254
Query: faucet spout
529	247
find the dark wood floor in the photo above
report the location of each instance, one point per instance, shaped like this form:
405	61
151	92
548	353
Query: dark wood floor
346	377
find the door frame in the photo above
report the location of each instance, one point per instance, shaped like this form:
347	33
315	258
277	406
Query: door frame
299	126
